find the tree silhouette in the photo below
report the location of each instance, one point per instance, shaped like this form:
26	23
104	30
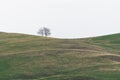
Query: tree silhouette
44	31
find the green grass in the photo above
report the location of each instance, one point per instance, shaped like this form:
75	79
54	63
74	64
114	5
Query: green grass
111	42
27	57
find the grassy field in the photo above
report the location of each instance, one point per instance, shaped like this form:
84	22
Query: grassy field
27	57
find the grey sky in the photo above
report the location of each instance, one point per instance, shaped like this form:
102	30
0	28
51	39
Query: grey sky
66	18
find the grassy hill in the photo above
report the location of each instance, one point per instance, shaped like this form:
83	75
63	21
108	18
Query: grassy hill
27	57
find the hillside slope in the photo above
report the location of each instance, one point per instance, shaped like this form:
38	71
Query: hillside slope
27	57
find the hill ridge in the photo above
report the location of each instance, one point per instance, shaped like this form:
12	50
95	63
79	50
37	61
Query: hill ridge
29	57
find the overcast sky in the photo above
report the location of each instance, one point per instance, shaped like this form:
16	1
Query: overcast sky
65	18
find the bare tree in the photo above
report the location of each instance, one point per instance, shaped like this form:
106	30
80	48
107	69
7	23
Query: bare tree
44	31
